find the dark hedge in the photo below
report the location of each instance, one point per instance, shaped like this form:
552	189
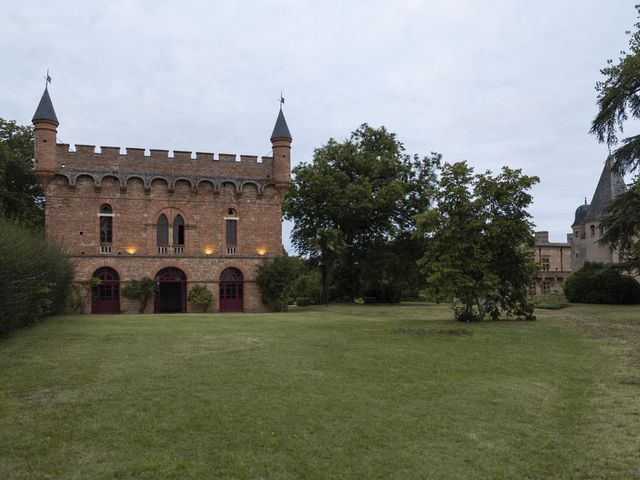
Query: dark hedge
34	276
599	283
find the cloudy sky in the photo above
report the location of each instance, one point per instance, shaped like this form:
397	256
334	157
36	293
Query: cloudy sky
493	82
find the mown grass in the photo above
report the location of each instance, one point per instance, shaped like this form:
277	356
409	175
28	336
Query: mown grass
339	392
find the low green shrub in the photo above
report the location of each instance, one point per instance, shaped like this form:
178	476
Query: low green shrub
599	283
141	290
35	276
305	301
201	296
549	301
276	277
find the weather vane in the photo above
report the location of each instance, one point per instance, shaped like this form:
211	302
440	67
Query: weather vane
47	79
281	100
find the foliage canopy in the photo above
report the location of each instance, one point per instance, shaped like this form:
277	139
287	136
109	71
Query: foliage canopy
477	240
353	202
21	195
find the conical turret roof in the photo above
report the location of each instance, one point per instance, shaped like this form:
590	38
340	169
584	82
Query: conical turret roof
281	130
610	185
45	109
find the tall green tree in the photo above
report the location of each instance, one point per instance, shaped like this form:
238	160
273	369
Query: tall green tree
21	195
477	241
367	189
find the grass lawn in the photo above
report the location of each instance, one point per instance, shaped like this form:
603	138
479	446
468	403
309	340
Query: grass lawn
353	392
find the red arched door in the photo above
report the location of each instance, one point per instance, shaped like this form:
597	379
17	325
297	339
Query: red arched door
172	291
105	297
231	290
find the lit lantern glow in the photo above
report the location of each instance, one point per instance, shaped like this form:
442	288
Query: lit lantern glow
208	250
261	251
132	250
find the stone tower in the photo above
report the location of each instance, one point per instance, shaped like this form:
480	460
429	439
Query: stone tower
587	230
45	125
281	143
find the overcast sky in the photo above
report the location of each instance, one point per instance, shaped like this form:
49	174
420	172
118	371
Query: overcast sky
493	82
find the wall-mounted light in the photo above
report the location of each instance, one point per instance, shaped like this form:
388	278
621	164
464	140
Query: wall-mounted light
132	250
208	250
261	251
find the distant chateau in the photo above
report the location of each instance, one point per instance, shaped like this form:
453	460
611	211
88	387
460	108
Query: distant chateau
557	260
587	230
180	219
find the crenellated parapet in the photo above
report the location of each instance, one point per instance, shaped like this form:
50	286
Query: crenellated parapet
162	163
122	179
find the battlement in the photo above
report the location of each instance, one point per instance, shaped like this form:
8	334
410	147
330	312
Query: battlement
131	159
135	153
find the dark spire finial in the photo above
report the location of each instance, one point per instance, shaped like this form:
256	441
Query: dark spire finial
281	130
45	110
47	80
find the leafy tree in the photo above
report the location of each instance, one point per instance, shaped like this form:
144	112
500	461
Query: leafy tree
356	196
276	278
21	195
477	240
618	99
142	290
200	296
598	283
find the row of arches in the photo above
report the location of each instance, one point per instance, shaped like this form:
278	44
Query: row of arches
171	296
170	181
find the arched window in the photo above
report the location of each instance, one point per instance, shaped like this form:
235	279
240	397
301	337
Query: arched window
106	227
593	230
162	234
231	231
178	231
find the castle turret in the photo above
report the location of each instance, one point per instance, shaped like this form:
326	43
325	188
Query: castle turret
281	143
45	125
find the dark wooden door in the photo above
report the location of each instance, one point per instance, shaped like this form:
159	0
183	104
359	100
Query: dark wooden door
172	291
231	290
105	297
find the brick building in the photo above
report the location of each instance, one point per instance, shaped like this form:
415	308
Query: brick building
554	262
182	219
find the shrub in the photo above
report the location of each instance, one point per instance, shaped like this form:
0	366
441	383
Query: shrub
275	278
598	283
35	276
307	286
305	301
142	290
200	296
549	301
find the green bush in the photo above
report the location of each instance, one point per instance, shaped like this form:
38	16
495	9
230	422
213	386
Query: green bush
35	276
142	290
200	296
598	283
275	278
305	301
549	301
308	286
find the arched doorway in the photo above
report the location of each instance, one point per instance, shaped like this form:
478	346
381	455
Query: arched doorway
172	291
231	290
105	297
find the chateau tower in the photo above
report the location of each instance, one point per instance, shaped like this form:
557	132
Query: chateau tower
587	230
281	143
45	125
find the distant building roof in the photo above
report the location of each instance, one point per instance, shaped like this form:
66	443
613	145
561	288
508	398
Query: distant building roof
581	213
610	185
281	130
45	109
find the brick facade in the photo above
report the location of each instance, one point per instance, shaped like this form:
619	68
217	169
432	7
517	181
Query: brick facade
204	189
